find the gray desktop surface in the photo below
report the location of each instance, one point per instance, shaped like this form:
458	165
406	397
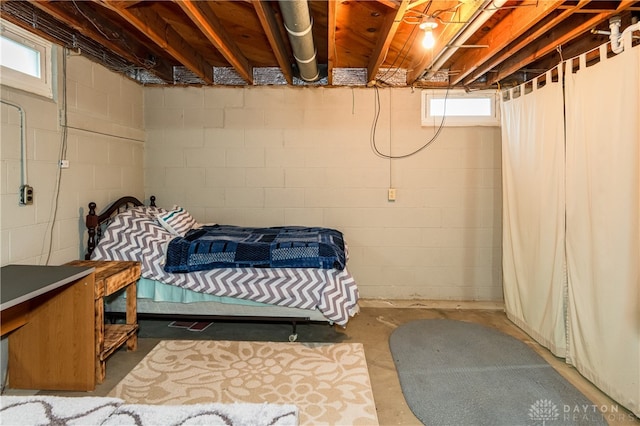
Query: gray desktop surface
19	283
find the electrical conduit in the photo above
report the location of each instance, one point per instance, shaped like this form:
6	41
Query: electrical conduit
23	141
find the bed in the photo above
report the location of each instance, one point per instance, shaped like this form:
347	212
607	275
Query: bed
208	282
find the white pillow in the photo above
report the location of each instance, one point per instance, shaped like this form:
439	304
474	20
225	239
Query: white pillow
177	221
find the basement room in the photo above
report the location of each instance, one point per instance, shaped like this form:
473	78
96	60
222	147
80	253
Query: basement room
320	212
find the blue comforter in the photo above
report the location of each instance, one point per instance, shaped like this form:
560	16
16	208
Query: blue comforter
226	246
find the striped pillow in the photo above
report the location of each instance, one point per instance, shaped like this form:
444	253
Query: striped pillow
177	221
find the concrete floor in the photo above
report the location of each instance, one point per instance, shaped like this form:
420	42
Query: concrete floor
372	327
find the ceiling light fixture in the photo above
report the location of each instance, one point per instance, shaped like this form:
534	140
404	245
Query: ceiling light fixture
428	41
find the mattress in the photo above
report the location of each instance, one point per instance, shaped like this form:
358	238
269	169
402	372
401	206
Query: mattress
156	298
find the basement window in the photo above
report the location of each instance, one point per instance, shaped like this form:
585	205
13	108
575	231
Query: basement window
25	60
460	108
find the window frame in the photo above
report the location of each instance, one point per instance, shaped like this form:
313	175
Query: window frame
43	85
429	120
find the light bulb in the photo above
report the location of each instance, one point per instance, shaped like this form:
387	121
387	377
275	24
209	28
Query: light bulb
428	41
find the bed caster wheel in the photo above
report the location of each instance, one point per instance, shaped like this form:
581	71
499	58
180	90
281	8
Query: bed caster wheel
293	337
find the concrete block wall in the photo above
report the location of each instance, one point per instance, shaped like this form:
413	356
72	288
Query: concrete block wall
105	146
268	156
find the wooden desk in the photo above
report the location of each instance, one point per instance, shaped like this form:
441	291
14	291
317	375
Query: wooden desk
111	277
42	311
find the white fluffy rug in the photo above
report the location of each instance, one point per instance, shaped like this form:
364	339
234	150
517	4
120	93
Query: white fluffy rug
54	410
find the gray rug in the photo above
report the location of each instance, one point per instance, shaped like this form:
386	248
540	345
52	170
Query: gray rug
459	373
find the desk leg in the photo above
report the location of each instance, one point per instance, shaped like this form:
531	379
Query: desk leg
132	315
101	370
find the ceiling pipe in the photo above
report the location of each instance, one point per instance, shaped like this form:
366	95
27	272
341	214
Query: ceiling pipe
619	44
463	35
298	23
614	25
615	35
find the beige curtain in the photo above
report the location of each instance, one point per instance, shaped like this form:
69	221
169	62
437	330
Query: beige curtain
533	256
603	231
571	219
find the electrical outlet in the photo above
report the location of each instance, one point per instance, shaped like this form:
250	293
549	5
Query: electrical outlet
26	195
392	194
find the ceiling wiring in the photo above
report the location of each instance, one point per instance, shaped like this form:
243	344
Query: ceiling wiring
517	6
73	40
147	64
388	74
415	17
92	22
406	48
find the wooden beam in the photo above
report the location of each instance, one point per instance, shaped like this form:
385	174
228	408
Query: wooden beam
271	29
131	3
332	20
145	20
544	46
387	33
527	50
465	13
115	38
627	5
417	3
522	43
506	30
598	6
209	24
585	43
393	4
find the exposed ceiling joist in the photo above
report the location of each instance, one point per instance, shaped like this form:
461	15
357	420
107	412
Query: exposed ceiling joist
479	43
522	42
387	33
147	21
206	21
271	28
512	26
555	40
331	39
83	18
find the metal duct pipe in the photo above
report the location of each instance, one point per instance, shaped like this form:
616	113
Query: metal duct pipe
469	29
298	23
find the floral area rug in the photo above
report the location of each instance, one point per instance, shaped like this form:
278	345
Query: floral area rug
329	383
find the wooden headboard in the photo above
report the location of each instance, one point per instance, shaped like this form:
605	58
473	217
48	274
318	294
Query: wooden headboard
95	222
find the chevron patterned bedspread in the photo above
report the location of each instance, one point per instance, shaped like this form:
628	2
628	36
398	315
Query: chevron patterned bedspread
226	246
136	235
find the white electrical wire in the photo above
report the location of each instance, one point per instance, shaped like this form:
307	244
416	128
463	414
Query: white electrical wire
62	155
374	126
